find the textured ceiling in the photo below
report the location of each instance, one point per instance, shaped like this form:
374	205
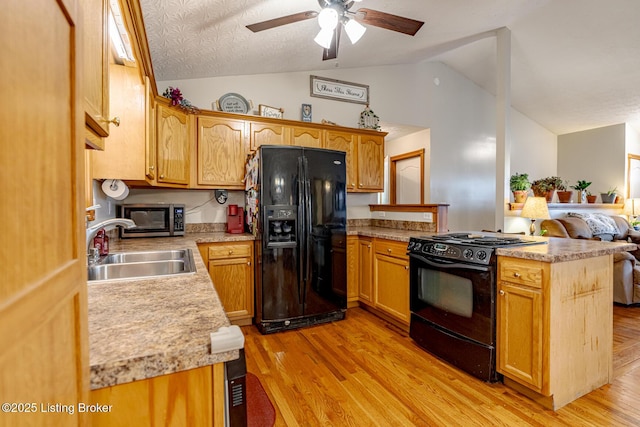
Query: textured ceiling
574	62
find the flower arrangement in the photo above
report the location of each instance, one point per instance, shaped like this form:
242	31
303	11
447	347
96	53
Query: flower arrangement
174	94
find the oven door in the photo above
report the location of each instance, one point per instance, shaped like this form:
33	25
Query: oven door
453	296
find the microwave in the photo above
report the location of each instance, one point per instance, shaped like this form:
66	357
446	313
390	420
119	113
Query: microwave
152	220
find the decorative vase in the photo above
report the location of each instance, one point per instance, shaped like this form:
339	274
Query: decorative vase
519	196
608	198
565	196
591	199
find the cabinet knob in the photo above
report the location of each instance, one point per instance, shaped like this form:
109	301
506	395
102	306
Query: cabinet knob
389	250
368	246
501	292
151	168
406	267
248	262
352	184
161	176
230	252
360	186
115	121
516	274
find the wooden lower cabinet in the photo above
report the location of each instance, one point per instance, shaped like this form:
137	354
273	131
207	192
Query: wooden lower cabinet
555	327
230	266
391	279
188	398
353	277
365	270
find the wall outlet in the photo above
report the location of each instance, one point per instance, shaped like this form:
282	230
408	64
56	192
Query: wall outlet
427	216
382	214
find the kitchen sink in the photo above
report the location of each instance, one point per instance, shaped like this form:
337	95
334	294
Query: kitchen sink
142	265
126	257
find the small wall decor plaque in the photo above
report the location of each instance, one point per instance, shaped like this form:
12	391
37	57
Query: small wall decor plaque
266	111
339	90
306	112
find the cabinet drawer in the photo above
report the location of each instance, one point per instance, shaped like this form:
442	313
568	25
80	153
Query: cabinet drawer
523	272
229	251
391	248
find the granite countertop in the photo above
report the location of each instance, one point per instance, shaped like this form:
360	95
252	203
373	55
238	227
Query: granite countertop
559	249
145	328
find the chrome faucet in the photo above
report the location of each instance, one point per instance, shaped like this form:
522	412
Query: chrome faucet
111	223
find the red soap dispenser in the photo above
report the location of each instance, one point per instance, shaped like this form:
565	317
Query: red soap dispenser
101	242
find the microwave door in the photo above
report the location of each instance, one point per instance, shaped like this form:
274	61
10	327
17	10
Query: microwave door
150	222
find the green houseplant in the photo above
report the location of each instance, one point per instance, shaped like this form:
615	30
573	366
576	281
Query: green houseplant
581	186
545	187
609	196
519	185
564	194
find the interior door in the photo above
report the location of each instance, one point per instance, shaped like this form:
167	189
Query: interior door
43	308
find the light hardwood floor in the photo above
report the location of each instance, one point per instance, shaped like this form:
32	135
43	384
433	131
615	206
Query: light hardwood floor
364	372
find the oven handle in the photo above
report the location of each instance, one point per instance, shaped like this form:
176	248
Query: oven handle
446	264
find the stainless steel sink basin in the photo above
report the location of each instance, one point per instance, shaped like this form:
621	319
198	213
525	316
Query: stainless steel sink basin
140	265
124	257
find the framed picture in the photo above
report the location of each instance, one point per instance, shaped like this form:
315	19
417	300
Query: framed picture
322	87
266	111
306	112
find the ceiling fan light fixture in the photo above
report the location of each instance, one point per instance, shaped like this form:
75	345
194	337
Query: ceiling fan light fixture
324	37
328	18
355	30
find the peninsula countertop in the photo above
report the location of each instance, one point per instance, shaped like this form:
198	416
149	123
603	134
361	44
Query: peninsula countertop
144	328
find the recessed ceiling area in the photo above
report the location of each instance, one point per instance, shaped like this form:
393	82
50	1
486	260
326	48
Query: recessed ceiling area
574	62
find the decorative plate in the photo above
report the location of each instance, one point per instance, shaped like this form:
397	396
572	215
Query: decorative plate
233	103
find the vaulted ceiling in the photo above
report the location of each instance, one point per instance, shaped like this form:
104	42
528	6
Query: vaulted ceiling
575	63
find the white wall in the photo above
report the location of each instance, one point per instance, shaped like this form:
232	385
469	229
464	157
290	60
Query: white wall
596	155
460	115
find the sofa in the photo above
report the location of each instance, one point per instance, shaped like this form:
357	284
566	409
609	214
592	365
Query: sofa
626	268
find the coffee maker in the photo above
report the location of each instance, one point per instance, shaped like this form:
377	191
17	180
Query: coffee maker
235	216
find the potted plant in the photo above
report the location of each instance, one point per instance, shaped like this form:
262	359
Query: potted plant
520	185
545	187
581	186
591	198
564	195
609	196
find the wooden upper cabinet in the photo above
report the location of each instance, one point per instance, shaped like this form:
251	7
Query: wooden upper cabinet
150	132
344	141
96	69
221	152
306	137
370	163
267	134
172	144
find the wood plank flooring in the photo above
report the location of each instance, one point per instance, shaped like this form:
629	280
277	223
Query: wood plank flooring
363	371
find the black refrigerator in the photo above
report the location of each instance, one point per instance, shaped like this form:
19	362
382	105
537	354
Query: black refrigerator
296	207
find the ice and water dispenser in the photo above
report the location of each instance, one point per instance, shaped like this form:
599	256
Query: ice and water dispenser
281	225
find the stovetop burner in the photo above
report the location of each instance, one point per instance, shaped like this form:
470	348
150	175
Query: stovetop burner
475	248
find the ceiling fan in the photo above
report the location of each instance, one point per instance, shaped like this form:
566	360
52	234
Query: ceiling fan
334	12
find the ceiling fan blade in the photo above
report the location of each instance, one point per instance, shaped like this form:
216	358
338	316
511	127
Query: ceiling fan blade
332	52
388	21
283	20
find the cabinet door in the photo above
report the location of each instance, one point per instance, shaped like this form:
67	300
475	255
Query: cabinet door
172	146
221	152
267	134
306	137
96	67
150	133
365	267
233	280
123	155
370	163
343	141
391	285
352	271
520	334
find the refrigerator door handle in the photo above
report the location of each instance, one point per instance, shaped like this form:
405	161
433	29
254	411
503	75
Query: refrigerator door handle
309	222
300	231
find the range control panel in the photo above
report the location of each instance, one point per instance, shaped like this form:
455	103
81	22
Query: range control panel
452	251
